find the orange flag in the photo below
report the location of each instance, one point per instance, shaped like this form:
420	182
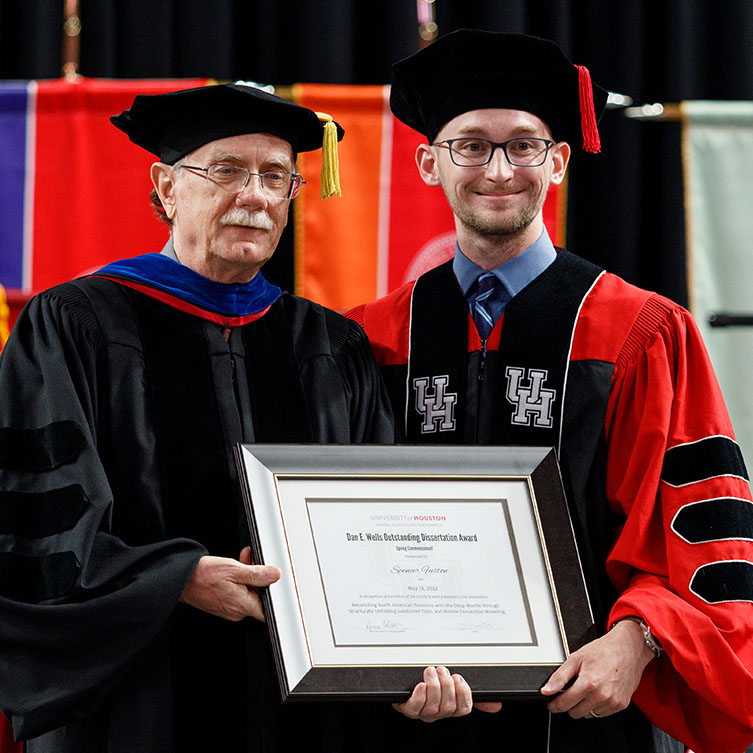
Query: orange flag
4	317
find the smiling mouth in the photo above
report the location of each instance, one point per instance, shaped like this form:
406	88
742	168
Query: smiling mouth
497	190
497	194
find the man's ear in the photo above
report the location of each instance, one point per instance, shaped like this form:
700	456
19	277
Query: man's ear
163	179
560	160
427	165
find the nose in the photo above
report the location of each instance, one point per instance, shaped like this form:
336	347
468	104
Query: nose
498	168
252	194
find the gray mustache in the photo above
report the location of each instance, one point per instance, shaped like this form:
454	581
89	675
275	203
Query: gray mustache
244	218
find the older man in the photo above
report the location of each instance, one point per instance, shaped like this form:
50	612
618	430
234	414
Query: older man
121	395
515	342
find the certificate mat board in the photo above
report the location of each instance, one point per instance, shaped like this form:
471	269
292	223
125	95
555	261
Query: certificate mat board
394	558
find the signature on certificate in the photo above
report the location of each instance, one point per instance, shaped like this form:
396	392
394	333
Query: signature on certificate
385	626
475	627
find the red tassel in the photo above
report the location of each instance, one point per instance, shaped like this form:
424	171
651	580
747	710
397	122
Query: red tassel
591	140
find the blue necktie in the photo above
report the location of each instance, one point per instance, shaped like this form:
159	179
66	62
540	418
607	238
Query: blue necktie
488	291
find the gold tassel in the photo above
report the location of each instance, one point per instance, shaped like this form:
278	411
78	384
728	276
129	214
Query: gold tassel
330	179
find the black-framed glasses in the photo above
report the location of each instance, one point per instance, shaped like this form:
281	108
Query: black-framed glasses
277	184
528	152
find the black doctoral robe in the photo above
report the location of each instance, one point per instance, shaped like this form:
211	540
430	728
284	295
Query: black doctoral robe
118	413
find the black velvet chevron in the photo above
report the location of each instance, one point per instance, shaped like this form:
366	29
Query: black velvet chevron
35	578
724	581
37	514
715	520
42	449
698	461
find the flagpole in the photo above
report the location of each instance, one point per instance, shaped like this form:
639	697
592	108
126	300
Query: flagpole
427	25
656	111
71	39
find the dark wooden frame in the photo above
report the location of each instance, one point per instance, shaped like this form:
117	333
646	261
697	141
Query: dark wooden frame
395	683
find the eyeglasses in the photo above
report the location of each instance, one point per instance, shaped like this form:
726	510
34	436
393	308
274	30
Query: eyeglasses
477	152
277	184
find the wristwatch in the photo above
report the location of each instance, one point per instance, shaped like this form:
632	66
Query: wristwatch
648	636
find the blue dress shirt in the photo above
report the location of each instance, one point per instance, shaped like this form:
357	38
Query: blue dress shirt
514	274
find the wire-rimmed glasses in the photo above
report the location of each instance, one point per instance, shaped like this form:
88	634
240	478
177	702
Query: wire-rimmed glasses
277	184
472	152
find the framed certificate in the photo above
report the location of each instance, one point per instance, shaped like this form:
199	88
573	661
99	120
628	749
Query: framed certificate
394	558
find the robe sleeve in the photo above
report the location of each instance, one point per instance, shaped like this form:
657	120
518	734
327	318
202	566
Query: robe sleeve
77	604
346	398
683	557
369	406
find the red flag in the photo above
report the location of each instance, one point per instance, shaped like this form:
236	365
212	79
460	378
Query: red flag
7	744
421	227
91	185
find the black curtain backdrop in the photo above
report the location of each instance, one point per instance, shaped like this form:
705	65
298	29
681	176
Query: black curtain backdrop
626	209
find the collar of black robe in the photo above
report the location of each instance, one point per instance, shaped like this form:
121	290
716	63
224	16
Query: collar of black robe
171	282
537	332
